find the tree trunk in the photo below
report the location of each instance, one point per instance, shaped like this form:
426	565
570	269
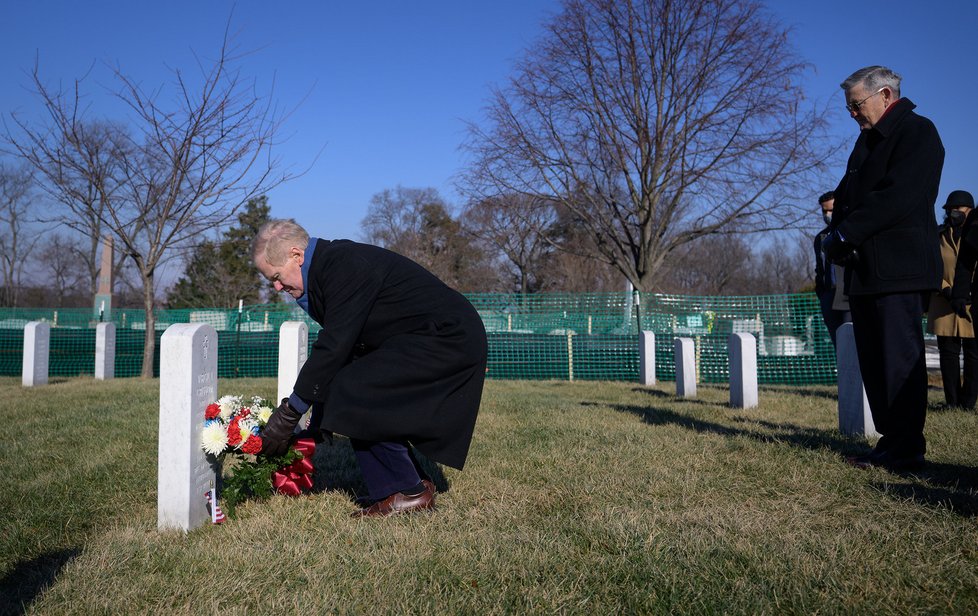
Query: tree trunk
149	342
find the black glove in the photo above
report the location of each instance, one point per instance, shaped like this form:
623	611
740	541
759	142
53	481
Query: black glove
946	293
960	307
839	251
276	436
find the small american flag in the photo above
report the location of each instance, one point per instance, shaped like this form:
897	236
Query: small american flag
217	516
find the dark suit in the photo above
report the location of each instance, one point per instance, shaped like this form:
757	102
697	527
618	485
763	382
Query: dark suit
884	206
420	352
825	290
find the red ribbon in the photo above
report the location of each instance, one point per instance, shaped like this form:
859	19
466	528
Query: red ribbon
296	477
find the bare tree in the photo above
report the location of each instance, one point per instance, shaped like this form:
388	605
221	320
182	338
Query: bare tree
16	241
184	163
76	168
711	265
656	122
63	263
516	226
417	223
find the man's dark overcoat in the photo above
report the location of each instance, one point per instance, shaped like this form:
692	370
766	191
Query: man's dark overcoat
885	205
401	356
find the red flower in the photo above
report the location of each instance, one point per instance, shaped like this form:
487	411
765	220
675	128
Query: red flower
252	445
212	411
234	433
244	412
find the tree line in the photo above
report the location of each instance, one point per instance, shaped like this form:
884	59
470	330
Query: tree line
647	141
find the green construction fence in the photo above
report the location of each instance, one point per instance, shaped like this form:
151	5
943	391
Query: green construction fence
536	336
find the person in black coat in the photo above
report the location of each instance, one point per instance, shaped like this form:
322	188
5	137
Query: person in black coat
833	304
885	233
400	360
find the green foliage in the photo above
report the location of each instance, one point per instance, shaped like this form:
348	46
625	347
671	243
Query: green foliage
220	273
249	477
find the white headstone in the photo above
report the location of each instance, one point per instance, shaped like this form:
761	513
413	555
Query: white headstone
855	417
646	358
685	367
742	350
37	347
293	345
104	351
188	383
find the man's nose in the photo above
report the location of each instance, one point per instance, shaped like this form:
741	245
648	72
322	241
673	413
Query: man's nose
278	285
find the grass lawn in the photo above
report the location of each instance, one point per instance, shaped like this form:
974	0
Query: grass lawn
578	498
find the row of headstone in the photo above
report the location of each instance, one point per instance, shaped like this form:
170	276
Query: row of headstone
293	345
188	383
37	351
743	367
855	418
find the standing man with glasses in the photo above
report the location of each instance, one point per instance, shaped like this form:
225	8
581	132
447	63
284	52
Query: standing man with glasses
885	233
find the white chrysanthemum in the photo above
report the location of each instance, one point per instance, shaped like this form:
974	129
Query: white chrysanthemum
261	414
214	438
229	404
248	426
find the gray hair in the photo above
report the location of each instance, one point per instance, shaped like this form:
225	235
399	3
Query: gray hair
873	78
275	238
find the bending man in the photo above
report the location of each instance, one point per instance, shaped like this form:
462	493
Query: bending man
400	360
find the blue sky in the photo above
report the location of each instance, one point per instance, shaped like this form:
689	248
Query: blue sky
382	89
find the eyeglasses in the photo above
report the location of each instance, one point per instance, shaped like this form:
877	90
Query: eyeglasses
854	107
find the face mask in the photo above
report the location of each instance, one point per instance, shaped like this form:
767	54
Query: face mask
955	217
827	217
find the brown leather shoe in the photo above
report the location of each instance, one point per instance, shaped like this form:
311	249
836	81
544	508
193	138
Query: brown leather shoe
398	503
363	502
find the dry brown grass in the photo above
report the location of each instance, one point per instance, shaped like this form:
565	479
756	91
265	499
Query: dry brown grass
578	497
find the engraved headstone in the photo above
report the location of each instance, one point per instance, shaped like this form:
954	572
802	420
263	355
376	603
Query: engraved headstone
104	351
646	358
742	351
37	347
685	367
188	383
855	417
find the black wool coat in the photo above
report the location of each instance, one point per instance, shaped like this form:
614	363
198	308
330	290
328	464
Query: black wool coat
401	356
885	205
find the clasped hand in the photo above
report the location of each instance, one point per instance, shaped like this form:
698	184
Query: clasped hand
839	251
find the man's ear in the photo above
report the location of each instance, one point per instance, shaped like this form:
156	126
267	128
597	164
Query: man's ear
298	254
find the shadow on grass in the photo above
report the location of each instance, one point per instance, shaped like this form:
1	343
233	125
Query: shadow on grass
337	470
950	486
801	390
672	397
29	578
941	485
790	433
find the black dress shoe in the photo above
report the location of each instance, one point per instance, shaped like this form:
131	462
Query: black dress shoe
903	464
867	460
890	461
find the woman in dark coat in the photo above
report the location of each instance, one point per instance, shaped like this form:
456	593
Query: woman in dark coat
400	360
